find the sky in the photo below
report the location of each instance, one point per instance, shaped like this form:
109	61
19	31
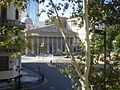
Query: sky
33	10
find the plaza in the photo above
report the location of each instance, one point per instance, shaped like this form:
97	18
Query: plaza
53	78
47	59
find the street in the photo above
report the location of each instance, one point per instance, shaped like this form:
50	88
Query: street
54	80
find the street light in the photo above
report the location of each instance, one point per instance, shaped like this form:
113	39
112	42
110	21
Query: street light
42	45
42	50
19	71
100	28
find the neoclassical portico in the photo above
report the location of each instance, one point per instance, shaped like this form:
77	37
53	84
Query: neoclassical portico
51	37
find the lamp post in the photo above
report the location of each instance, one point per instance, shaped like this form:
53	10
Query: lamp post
26	49
42	50
19	71
100	27
42	47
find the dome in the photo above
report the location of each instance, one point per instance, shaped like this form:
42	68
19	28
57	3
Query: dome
27	20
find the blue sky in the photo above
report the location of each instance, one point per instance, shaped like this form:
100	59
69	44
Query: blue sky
33	8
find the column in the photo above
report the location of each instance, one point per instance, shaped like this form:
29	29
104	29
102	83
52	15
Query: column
26	49
32	45
38	44
42	39
48	47
43	42
57	43
52	45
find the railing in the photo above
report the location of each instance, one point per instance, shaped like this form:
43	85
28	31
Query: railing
6	22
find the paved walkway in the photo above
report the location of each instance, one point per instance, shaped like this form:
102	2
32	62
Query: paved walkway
54	80
47	59
28	79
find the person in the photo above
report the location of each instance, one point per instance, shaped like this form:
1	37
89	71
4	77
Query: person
50	61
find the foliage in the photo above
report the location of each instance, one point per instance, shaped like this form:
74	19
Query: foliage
11	38
43	49
108	13
97	44
19	4
53	20
111	33
97	74
81	51
70	72
117	43
100	11
54	8
112	78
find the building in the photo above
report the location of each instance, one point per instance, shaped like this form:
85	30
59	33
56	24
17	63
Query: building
32	11
48	36
51	37
9	66
73	24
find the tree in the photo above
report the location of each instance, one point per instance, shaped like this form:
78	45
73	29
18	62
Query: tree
83	76
11	35
98	13
19	4
117	43
11	39
97	74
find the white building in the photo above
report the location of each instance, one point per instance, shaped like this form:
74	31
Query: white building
49	35
9	13
8	65
73	24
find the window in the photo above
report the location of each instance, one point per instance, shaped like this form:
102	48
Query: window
4	63
17	14
3	13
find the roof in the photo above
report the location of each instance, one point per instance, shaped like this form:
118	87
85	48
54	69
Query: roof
27	20
51	30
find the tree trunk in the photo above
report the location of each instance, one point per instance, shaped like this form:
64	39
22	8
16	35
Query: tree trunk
84	78
85	83
109	55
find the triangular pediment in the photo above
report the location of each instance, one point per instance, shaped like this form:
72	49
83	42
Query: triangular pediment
49	29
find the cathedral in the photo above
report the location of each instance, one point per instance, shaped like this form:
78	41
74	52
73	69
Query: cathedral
47	36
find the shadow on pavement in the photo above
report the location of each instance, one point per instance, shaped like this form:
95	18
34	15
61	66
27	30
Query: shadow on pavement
54	80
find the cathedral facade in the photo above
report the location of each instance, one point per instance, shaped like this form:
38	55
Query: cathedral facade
48	37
